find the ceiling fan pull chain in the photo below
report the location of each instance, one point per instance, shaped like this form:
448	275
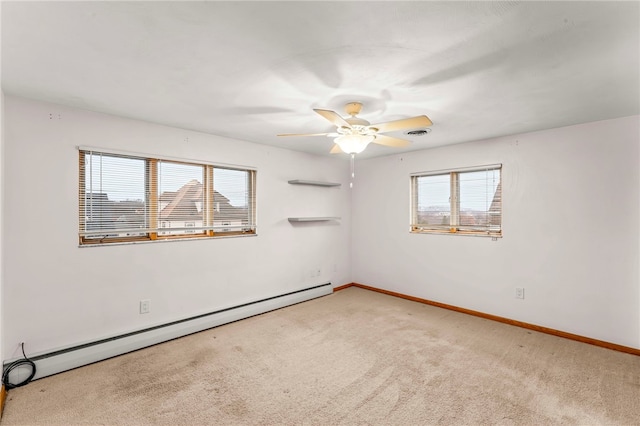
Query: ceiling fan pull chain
353	170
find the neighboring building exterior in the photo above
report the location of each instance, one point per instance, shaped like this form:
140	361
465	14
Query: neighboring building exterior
184	209
176	209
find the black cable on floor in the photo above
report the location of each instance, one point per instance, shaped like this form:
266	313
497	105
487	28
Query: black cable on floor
13	366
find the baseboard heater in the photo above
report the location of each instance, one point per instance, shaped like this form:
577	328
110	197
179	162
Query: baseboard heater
76	356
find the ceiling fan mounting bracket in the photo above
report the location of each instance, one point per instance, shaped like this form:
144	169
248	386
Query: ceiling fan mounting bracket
353	108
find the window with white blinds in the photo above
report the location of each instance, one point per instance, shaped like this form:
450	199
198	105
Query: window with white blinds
465	201
181	198
127	198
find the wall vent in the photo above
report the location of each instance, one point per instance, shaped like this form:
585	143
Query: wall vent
419	132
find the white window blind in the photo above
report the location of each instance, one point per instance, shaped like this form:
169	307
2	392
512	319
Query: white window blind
234	200
433	207
113	203
124	198
480	201
181	198
458	201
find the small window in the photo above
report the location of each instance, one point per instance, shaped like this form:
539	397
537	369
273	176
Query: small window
232	200
465	201
128	198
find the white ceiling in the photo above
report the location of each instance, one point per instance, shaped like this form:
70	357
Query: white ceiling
251	70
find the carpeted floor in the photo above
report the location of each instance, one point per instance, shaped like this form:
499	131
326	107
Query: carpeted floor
354	357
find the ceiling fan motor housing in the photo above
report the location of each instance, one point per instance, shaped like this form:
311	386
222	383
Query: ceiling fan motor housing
356	121
359	126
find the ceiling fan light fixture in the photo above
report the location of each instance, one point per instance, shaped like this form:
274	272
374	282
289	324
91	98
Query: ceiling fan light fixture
354	144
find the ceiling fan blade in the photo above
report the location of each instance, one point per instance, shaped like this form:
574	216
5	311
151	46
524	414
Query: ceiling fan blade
389	141
333	117
336	149
406	123
306	134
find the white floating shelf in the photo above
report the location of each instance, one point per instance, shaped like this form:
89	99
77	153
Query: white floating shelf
313	182
312	219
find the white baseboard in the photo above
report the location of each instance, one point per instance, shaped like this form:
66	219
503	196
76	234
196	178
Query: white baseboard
77	356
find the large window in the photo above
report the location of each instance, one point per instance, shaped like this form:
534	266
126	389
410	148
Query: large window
466	201
129	198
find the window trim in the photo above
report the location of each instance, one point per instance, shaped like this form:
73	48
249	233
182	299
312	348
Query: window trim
145	155
454	223
151	190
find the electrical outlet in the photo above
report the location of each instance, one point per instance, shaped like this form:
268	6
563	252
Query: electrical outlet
519	293
145	306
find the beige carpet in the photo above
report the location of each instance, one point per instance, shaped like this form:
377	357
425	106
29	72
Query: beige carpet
354	357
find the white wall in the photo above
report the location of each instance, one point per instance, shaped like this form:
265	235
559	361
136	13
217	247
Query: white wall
570	224
571	232
57	294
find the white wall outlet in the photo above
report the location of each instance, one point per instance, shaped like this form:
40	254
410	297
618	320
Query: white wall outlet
145	306
519	293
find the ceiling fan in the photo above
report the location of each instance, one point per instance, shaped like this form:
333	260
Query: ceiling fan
353	133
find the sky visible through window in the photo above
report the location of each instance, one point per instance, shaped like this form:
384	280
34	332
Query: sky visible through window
173	176
477	190
434	193
122	179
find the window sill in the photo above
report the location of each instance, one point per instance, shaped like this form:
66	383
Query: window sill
457	232
166	240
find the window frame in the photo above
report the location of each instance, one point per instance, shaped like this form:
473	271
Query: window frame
455	227
151	184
